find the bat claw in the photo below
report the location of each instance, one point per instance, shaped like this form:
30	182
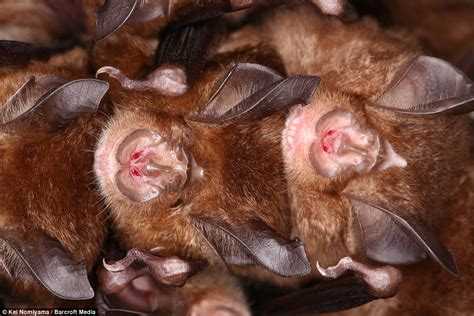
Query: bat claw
383	282
156	250
170	271
335	271
112	267
112	72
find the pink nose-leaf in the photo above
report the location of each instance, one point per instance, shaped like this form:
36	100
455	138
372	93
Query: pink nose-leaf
150	165
342	144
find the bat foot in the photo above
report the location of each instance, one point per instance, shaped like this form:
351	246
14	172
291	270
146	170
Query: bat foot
383	282
171	271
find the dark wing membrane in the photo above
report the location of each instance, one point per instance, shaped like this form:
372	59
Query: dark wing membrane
429	86
14	53
47	261
350	284
189	46
254	242
325	297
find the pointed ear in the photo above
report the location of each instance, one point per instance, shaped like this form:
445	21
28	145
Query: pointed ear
37	257
13	53
50	102
253	242
253	91
393	236
429	86
116	13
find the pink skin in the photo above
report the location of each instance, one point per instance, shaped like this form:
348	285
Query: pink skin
333	142
333	7
141	165
143	295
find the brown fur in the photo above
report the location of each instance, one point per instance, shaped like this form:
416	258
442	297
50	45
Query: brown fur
426	290
227	190
444	26
229	164
131	53
356	63
211	293
47	179
29	21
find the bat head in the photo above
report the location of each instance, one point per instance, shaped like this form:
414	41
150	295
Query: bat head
380	154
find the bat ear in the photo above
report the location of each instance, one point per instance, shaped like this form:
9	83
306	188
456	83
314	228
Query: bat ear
429	86
51	102
252	243
253	91
168	79
116	13
394	236
37	257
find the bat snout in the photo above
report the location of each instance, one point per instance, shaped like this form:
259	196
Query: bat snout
149	165
342	144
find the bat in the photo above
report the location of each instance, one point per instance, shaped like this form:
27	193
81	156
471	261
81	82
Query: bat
53	224
114	14
179	179
360	183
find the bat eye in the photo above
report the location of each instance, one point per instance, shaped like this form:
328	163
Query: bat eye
149	166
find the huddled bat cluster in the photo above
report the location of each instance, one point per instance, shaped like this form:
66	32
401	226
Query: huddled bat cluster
234	158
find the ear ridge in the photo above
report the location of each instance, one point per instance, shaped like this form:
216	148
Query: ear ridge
253	91
47	262
24	99
63	103
429	86
116	13
111	16
253	242
402	229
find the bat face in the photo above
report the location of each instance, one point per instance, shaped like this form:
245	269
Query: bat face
334	141
140	164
